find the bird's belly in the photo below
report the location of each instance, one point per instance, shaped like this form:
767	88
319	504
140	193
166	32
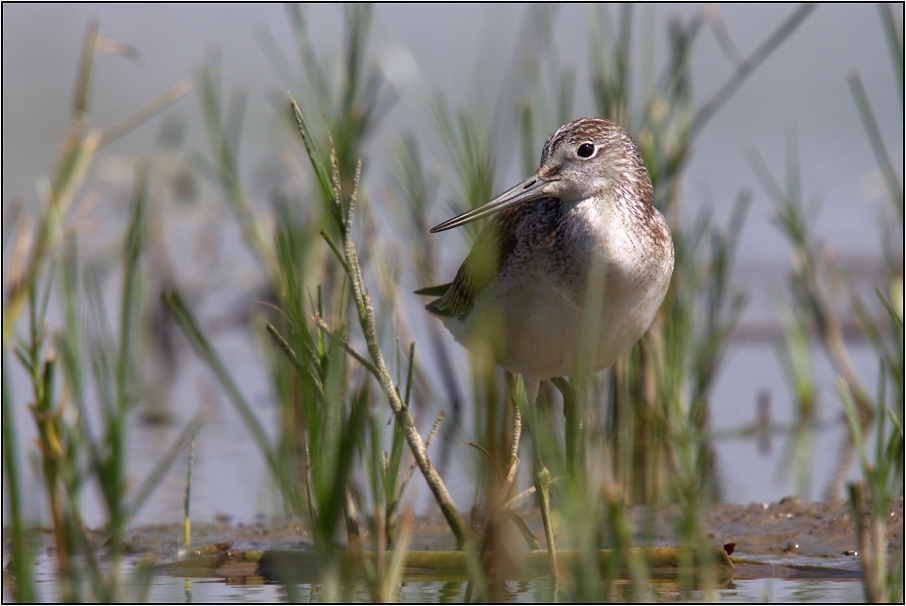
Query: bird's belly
540	327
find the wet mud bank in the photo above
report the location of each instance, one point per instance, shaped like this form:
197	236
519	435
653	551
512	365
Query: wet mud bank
787	539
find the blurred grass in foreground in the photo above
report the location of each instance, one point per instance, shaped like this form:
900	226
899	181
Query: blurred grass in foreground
83	373
338	466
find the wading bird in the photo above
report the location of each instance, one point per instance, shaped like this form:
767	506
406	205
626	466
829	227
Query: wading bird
569	273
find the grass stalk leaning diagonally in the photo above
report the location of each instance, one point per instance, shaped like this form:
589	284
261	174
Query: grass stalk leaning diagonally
348	259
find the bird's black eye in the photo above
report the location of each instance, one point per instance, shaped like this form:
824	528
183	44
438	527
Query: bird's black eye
585	150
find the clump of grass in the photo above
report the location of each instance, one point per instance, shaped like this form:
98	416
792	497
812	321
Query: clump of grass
818	310
338	428
60	361
331	461
879	477
348	259
884	476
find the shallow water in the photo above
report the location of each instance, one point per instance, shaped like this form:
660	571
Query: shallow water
758	590
165	589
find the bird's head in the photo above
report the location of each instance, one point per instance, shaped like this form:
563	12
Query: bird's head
587	157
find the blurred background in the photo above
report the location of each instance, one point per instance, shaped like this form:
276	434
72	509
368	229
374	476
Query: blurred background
797	104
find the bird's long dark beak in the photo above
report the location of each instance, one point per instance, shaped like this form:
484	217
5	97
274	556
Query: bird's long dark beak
530	189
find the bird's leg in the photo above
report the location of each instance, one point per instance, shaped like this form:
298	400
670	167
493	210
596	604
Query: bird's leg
542	475
518	405
575	427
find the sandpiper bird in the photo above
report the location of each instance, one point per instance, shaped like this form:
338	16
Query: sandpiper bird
585	218
576	247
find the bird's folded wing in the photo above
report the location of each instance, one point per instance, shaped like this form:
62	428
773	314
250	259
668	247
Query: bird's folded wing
490	252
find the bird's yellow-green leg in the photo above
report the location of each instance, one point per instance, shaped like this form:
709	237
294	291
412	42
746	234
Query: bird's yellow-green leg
574	412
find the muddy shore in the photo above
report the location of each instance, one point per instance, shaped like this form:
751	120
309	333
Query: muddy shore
788	538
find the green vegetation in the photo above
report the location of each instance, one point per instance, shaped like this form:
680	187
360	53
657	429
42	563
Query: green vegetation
60	362
338	350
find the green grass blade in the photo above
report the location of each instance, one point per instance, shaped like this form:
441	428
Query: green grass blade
81	95
174	94
163	465
894	33
892	180
304	371
748	67
174	304
852	418
317	164
20	550
131	287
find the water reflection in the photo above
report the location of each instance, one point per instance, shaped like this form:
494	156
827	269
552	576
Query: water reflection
201	591
530	592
